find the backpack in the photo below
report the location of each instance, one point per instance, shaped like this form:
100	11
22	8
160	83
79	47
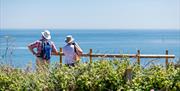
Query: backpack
78	51
46	50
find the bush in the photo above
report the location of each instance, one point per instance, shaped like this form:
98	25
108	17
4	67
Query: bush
104	75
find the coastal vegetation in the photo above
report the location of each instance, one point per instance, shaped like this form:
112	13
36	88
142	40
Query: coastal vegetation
102	75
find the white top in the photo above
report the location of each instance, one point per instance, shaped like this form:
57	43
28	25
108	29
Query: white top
69	53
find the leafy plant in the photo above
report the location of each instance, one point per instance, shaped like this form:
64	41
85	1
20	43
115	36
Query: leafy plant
102	75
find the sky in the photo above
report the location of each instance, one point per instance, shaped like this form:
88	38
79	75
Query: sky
90	14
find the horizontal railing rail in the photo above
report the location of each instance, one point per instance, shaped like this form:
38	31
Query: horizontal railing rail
127	55
138	56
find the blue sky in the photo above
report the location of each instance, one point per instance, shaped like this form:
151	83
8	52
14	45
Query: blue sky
90	14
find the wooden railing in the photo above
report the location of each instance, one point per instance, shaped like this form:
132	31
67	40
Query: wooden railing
128	71
138	56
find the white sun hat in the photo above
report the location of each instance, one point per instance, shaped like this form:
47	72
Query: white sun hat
46	34
69	39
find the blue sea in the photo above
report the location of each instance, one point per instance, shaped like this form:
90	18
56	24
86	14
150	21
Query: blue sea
101	41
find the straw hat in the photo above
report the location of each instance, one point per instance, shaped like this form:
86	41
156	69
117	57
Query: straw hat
69	39
46	34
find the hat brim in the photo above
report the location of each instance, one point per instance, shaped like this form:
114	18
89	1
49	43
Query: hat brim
69	41
49	37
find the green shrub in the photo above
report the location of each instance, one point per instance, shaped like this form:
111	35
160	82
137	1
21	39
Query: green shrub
103	75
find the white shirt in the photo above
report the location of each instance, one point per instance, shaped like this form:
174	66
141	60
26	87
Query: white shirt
69	53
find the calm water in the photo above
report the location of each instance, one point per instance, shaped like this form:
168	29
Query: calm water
101	41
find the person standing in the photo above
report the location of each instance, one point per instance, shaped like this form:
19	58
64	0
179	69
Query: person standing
72	51
43	48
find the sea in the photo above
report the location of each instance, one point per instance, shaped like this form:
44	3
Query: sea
14	42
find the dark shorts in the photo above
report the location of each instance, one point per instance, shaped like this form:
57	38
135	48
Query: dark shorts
71	65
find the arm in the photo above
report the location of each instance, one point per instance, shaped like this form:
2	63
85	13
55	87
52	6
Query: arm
32	46
54	50
31	50
79	48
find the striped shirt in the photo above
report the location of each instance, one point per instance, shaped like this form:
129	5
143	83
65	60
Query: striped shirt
37	44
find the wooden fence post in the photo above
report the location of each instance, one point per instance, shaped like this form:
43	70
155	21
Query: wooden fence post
90	55
166	58
138	57
60	55
128	75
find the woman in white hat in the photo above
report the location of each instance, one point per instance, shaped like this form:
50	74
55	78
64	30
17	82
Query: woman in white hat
69	51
